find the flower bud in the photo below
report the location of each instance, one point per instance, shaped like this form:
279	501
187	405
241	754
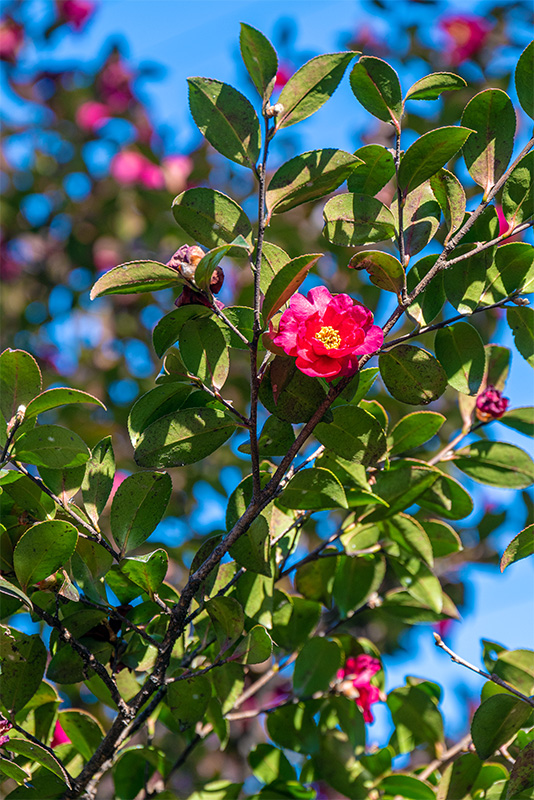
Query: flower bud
216	280
186	260
274	111
491	404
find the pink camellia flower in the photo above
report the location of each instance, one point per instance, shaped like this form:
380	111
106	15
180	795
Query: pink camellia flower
59	737
11	39
91	115
151	176
176	170
327	333
285	71
491	404
355	678
5	726
76	12
126	167
467	34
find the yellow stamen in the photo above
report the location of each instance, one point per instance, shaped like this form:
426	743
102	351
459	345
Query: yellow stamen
329	337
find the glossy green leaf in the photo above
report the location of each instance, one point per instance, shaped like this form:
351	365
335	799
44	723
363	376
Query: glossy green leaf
10	590
138	505
259	57
419	582
316	666
154	404
229	682
51	446
450	195
459	777
496	464
275	438
420	219
64	483
26	494
308	177
464	281
524	78
414	430
294	727
211	217
521	322
84	731
431	300
213	258
268	763
406	786
311	86
20	381
410	536
352	220
518	193
402	606
431	86
495	722
294	620
98	478
512	270
384	270
447	497
227	618
522	774
188	699
416	718
490	114
10	769
183	437
314	489
286	282
428	154
52	398
354	434
377	169
147	571
255	648
35	753
516	667
205	352
42	550
168	329
356	579
376	85
23	661
412	375
443	538
273	258
520	547
520	419
227	120
315	579
460	351
401	485
289	394
253	550
135	277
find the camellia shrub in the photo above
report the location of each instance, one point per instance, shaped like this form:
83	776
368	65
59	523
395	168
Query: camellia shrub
177	657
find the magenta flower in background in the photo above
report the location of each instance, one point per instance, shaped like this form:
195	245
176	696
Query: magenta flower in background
355	678
5	726
326	333
491	404
467	34
76	12
11	39
59	737
92	115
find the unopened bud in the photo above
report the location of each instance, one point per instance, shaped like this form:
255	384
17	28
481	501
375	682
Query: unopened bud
274	111
217	280
520	301
16	420
491	404
186	259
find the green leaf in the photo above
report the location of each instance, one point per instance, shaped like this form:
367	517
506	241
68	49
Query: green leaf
459	777
352	220
294	727
138	506
259	57
495	722
512	271
227	120
294	620
521	322
183	437
229	682
227	618
464	281
517	193
524	78
443	538
377	169
23	660
447	497
401	485
496	464
84	731
315	579
520	547
416	718
275	439
35	753
211	217
384	270
52	398
428	154
431	300
516	667
213	258
286	282
42	550
253	551
98	479
522	774
316	666
412	375
255	648
273	258
51	446
490	114
135	277
421	218
168	329
10	590
289	394
460	351
64	483
406	786
357	578
155	404
314	489
376	85
12	770
419	582
311	86
354	434
26	494
268	763
147	571
450	195
20	381
204	351
188	699
401	605
308	177
431	86
414	430
410	536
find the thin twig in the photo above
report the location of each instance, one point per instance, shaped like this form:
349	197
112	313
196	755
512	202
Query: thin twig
448	756
68	777
487	245
495	678
222	316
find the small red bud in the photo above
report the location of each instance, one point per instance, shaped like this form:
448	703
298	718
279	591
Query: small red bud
491	404
217	280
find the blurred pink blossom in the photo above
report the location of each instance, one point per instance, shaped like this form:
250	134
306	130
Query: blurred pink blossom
285	71
91	115
467	34
76	12
59	737
11	39
126	167
118	478
151	176
115	83
176	170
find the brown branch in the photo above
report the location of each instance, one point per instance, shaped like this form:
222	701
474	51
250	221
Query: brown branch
448	756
